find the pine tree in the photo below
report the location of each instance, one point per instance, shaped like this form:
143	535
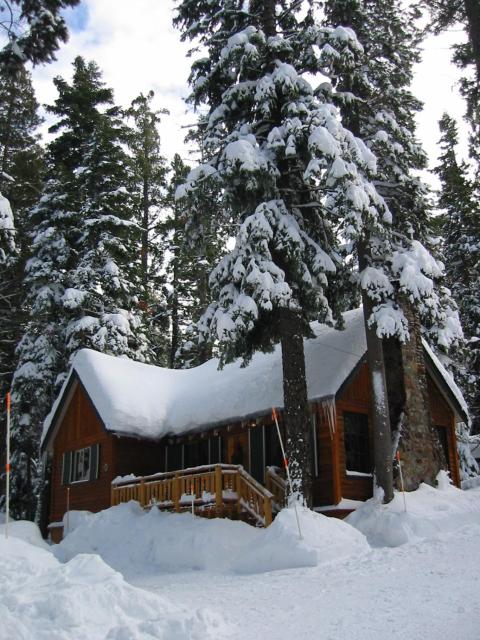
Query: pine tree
374	97
290	176
149	168
81	284
461	245
149	194
21	167
197	240
34	29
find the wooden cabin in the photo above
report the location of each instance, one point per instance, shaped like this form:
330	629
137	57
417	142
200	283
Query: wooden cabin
116	418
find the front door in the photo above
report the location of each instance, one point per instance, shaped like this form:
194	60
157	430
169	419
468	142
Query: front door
237	449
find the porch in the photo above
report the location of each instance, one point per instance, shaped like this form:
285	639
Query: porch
209	491
212	491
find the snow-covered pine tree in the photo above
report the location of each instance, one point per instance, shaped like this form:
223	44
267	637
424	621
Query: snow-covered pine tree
149	193
461	247
80	284
21	156
34	29
21	167
375	99
289	174
197	239
149	167
40	352
102	301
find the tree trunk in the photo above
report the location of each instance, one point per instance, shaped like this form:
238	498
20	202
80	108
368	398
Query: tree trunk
472	10
298	429
8	132
174	304
269	18
145	225
382	437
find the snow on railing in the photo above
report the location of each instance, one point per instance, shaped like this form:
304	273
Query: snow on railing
208	490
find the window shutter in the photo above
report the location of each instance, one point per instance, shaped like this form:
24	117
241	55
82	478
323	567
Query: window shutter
66	466
94	461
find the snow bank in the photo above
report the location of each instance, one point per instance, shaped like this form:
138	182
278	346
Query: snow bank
23	530
323	540
429	512
87	600
135	542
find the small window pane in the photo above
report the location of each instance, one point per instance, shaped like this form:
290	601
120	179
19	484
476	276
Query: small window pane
357	446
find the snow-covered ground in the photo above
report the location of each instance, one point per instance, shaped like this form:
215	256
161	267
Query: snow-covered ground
126	575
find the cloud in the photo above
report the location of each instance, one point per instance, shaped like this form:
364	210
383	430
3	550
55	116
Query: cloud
137	49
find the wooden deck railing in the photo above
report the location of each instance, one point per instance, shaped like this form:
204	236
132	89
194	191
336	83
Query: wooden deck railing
210	490
276	484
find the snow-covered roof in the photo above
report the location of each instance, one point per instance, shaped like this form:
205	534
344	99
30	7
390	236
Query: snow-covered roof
150	402
146	401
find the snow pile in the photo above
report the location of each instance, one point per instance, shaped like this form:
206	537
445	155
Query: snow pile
87	600
429	512
24	530
323	540
135	542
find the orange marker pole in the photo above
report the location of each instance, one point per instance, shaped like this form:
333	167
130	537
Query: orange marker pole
287	469
401	480
7	469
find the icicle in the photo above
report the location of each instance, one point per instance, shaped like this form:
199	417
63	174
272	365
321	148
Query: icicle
329	411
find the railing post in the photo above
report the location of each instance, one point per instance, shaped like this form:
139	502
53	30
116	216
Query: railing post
267	510
238	490
218	489
112	495
176	492
141	492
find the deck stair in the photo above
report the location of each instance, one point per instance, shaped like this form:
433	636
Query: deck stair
219	490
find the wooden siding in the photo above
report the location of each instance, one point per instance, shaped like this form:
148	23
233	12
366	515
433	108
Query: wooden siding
444	417
323	484
140	457
80	427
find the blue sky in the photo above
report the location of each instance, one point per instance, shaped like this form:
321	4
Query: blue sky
76	17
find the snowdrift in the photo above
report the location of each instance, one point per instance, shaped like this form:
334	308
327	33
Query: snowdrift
429	511
86	599
134	542
323	540
25	530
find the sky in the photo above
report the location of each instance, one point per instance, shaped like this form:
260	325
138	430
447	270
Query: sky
138	50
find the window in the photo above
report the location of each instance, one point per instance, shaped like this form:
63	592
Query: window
357	445
80	465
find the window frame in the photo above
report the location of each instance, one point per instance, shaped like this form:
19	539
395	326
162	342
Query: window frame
71	462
